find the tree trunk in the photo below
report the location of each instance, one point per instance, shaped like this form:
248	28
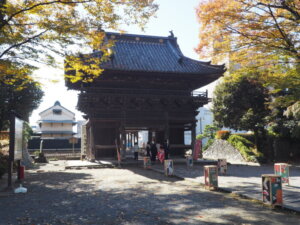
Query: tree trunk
256	138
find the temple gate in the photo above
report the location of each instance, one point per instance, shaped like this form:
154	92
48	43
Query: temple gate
147	84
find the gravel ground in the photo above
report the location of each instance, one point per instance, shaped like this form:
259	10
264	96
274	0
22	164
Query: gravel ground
126	196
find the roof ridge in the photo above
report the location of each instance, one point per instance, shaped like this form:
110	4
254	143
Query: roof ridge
56	105
140	35
207	64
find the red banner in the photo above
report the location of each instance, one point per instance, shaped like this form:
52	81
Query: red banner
197	149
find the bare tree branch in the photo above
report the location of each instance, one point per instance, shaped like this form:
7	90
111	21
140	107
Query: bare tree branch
21	43
5	22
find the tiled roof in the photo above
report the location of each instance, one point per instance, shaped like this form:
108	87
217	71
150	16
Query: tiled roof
55	104
153	54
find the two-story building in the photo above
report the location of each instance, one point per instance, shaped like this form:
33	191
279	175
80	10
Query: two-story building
56	122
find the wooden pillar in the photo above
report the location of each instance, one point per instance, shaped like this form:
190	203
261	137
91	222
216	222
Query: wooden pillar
136	137
193	131
149	135
167	127
129	139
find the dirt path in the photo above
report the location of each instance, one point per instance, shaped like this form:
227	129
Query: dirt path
126	196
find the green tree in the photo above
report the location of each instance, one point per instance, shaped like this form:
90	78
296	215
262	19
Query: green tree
22	94
209	132
38	30
285	122
240	104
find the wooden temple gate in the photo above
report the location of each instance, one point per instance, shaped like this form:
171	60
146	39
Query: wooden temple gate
147	85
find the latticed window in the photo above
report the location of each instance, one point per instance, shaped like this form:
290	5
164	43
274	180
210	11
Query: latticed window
56	111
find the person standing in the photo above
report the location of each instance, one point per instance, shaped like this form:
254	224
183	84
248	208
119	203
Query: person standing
148	148
136	151
153	150
166	149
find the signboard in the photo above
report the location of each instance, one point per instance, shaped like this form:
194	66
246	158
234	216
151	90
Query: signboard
211	176
282	169
147	162
189	161
272	189
197	149
222	166
18	139
169	168
73	140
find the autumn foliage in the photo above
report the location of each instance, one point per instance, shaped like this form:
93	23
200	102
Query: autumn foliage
259	37
37	31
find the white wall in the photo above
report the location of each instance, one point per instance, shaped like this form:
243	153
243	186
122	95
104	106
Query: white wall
57	127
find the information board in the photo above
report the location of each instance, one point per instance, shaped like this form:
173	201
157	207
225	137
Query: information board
197	149
18	139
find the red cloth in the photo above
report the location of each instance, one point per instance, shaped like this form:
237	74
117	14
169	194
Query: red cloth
161	156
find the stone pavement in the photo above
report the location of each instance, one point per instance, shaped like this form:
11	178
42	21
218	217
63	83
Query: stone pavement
244	180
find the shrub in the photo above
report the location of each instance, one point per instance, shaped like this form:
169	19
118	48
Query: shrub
208	144
223	134
3	164
248	136
36	153
243	145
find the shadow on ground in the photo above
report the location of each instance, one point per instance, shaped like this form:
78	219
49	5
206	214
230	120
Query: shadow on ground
89	197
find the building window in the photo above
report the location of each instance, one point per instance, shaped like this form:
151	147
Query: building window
56	111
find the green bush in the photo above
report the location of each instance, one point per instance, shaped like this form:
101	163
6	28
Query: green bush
36	153
208	144
244	146
248	136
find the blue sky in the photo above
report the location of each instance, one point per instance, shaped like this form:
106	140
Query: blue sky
176	15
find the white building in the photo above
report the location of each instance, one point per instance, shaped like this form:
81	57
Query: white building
56	122
204	118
